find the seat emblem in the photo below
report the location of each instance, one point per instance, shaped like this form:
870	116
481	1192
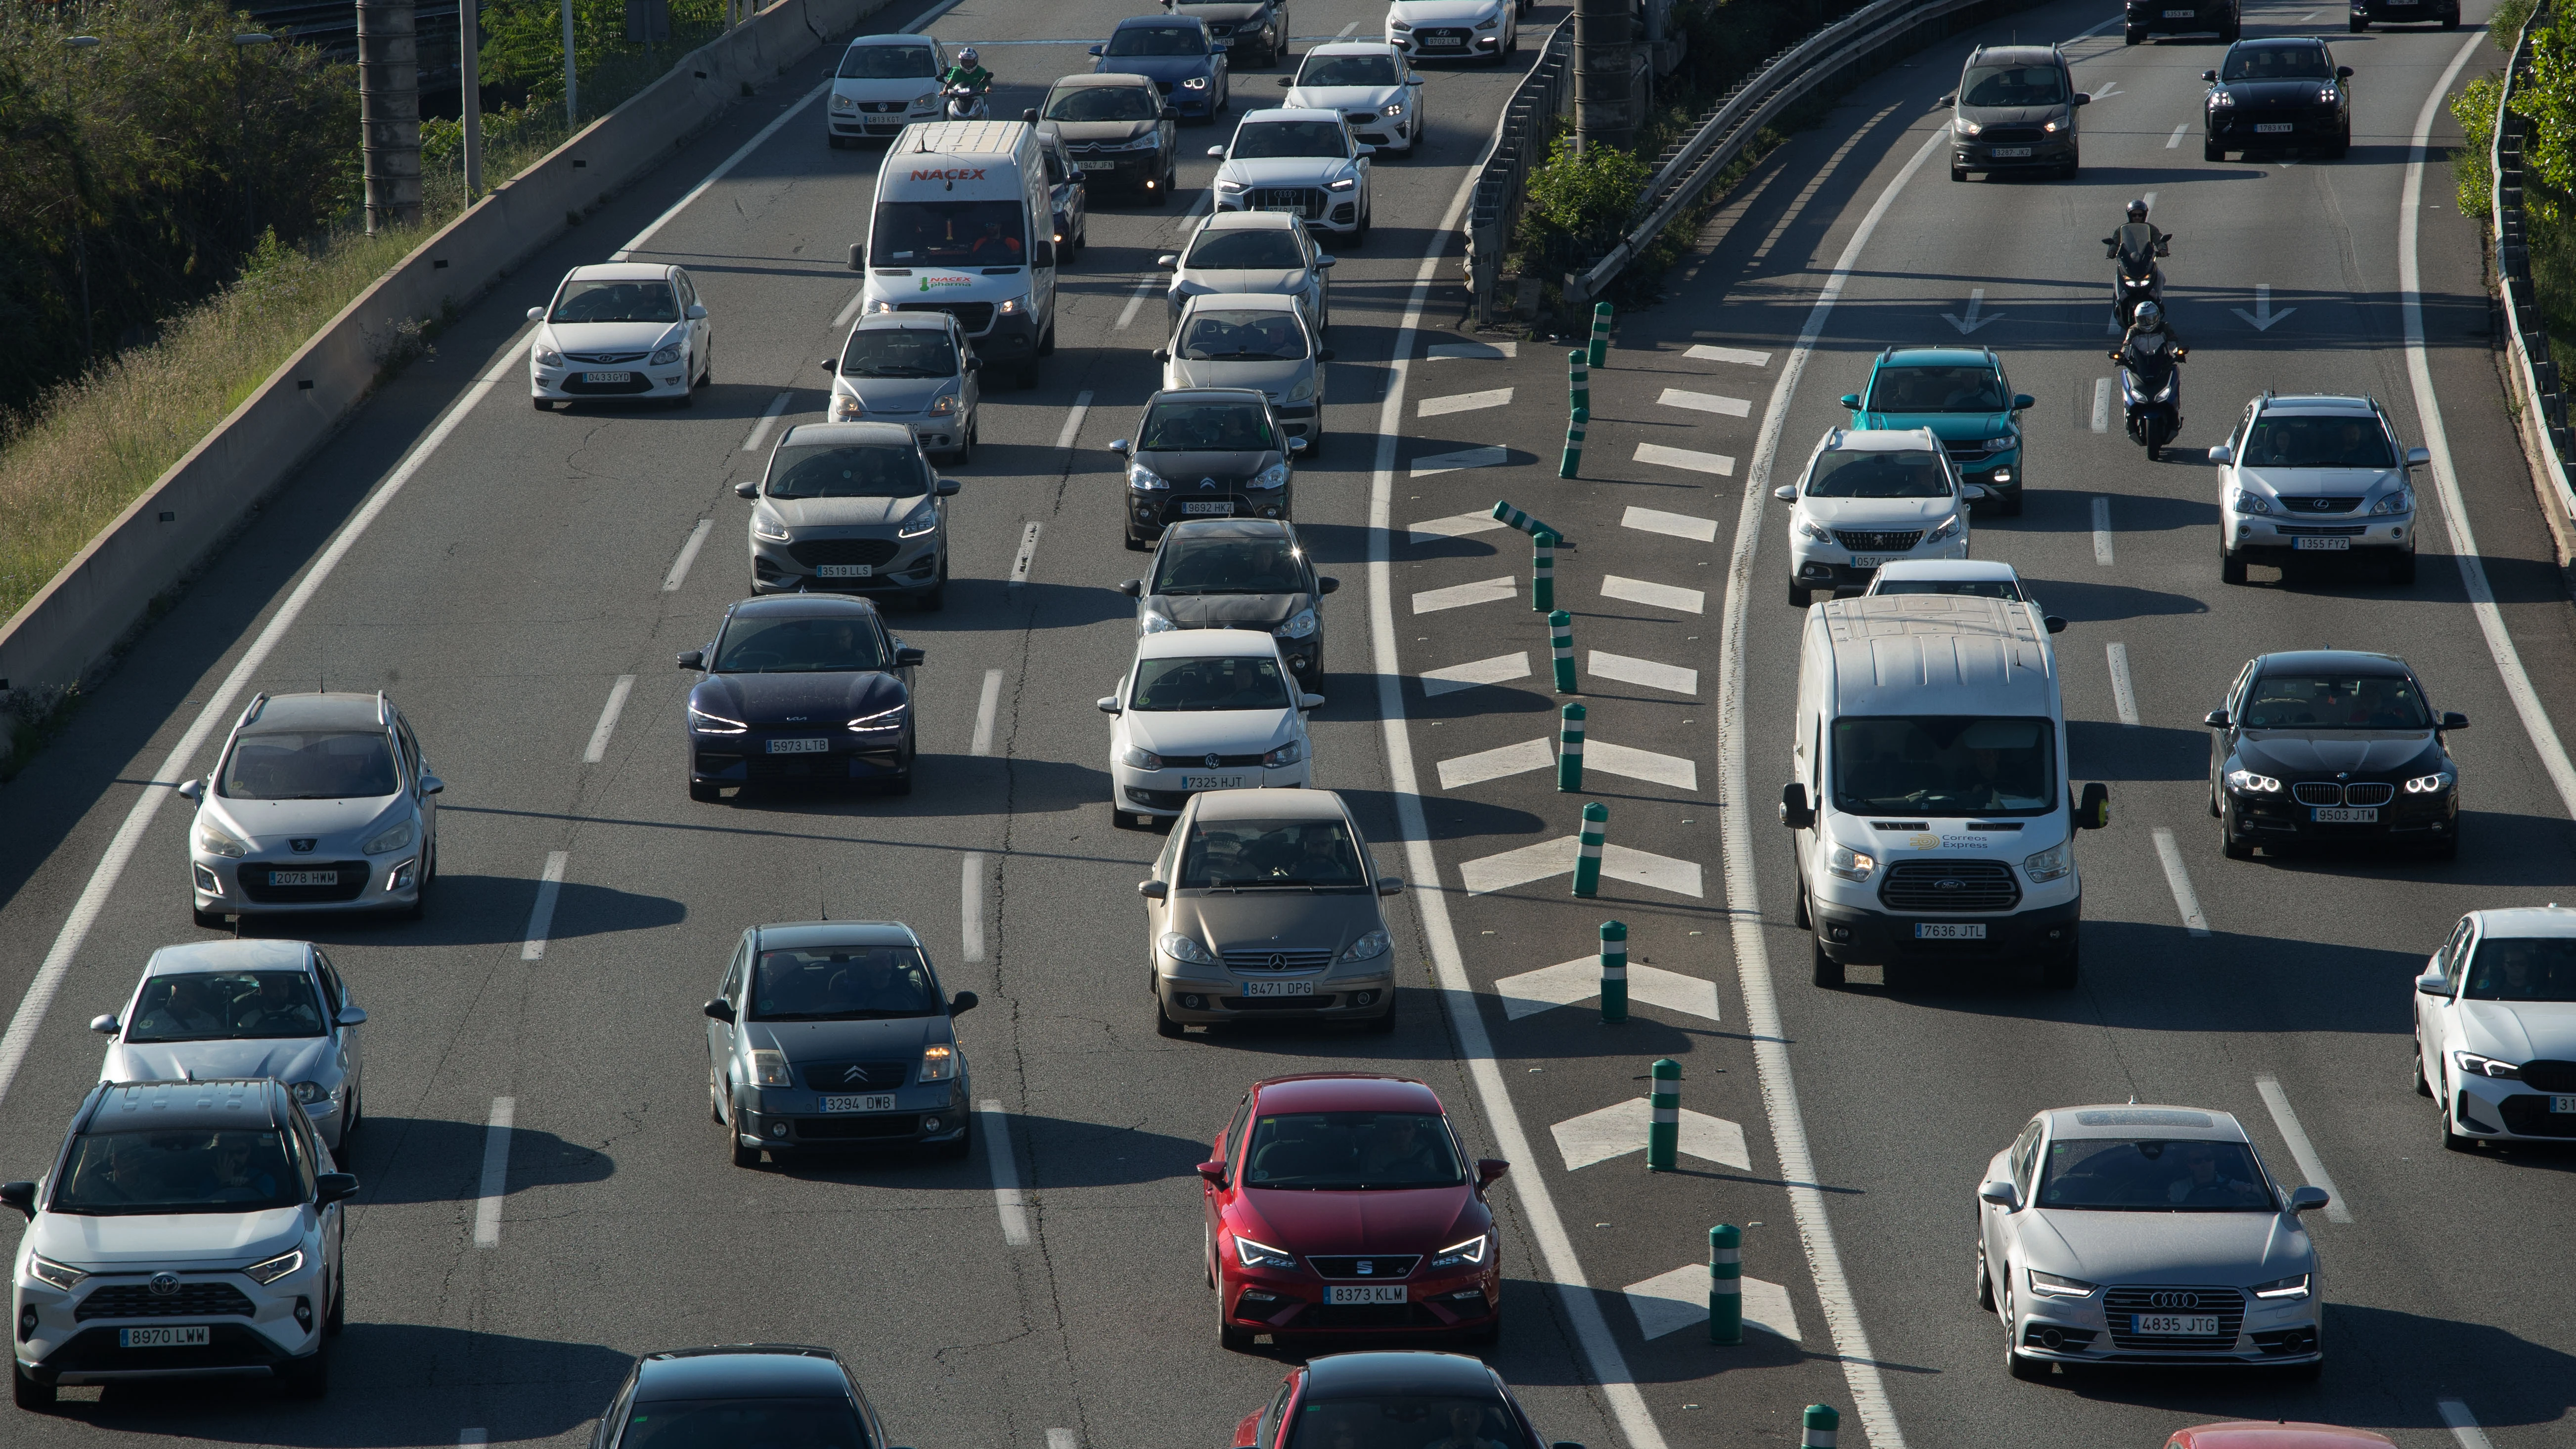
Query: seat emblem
302	844
164	1285
1367	1267
1212	761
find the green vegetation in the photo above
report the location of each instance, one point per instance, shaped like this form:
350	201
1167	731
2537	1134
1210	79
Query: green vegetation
2548	103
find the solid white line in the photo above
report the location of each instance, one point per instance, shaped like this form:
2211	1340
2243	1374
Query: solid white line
1073	419
2124	694
1027	554
2176	138
2301	1148
2446	479
2464	1425
2102	532
760	429
2101	404
541	916
985	709
1064	1438
970	906
1144	289
996	1128
1735	834
2178	880
688	555
759	139
496	1173
607	725
850	313
1564	1268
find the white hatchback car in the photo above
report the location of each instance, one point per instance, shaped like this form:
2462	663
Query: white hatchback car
2495	1028
1253	251
884	83
1484	30
621	330
1302	162
1370	83
1204	709
1869	498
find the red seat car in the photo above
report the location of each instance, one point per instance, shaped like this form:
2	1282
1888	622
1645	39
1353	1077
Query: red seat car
2273	1434
1391	1401
1342	1203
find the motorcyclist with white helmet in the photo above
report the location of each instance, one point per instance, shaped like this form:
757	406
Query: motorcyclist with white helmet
968	76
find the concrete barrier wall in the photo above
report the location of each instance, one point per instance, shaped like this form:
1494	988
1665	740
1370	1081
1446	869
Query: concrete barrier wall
68	630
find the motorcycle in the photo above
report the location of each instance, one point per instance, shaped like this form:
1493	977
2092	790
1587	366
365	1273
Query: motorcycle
2151	404
966	104
2136	278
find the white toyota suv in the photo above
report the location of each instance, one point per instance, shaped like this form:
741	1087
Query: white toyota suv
1872	497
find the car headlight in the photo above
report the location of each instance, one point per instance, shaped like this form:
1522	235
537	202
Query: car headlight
1949	528
1398	25
1274	476
1812	529
2053	127
764	526
1012	307
845	103
1261	1255
1135	758
847	409
1392	108
1228	186
1156	624
2049	1285
2245	500
2433	784
1146	142
547	356
2401	500
1300	625
1372	945
1850	864
664	357
1286	755
714	724
59	1275
882	720
1470	1251
394	837
2478	1066
2050	864
1999	442
1304	391
1195	83
1182	948
1345	184
215	840
769	1068
1489	23
939	1062
1966	127
2327	95
927	101
2221	98
878	304
2248	783
920	521
307	1093
1140	476
2283	1290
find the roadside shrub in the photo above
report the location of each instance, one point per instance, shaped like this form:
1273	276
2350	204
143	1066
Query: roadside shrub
2474	108
1577	204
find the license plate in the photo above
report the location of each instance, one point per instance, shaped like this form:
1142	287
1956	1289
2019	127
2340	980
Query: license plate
872	1102
2006	152
2562	1104
1290	207
1443	42
2272	128
1365	1293
177	1335
1211	782
1873	560
845	571
2178	1325
800	747
1948	931
303	877
608	377
1227	507
2344	814
2321	545
1282	988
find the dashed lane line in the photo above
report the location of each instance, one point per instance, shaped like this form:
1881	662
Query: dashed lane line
541	913
597	749
2175	139
1026	558
1689	458
2102	532
496	1172
2455	1414
768	419
1072	428
970	907
679	573
994	1126
1464	402
2178	880
1144	289
2124	695
2304	1152
2101	404
987	709
850	312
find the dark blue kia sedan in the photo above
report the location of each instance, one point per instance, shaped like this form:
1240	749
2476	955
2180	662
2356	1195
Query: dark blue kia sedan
1176	53
801	687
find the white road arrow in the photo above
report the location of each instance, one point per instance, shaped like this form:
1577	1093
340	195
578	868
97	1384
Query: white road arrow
2262	317
1970	323
2108	90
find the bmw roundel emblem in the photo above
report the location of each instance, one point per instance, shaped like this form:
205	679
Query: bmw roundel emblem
163	1285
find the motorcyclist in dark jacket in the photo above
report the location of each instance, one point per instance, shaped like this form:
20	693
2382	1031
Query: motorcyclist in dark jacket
2151	347
2139	237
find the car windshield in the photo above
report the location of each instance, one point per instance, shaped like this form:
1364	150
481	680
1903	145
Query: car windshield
842	983
1405	1421
2331	702
1347	70
947	233
2276	441
1249	250
766	644
1201	686
599	301
1259	140
310	765
224	1006
1205	427
846	470
1229	566
899	352
1101	103
1849	473
1243	337
744	1424
2012	85
2004	589
1943	765
1351	1151
2523	968
2159	1175
1157	40
178	1170
1235	854
1936	390
2276	62
888	62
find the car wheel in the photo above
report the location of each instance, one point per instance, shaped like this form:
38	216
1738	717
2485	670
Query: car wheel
1360	234
2401	569
2422	1088
2132	36
2228	844
2359	26
1164	1026
742	1156
349	1123
2450	1139
2025	1369
1826	971
1046	344
1958	173
33	1394
1985	1280
963	1147
2212	151
1229	1337
1797	596
705	791
2342	146
715	1097
339	1318
1799	915
2231	567
308	1377
211	920
542	405
934	598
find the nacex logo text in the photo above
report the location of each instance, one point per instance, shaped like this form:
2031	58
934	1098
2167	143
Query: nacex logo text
954	173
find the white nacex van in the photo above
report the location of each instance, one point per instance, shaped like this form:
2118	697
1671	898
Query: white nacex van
1928	793
964	223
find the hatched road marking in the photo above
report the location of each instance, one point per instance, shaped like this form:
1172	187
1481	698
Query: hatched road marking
1570	982
1673	525
1465	402
1706	402
1620	1128
1556	857
1706	353
1671	1302
1459	596
1462	459
1661	596
1643	671
1496	764
1456	525
1646	765
1452	678
1475	351
1690	458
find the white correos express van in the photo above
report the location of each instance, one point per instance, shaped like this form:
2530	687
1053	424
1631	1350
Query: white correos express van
1928	792
964	223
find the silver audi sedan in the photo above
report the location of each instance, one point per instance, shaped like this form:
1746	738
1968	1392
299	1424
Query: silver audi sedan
212	1010
2146	1235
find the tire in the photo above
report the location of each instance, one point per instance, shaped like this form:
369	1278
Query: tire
541	404
974	435
350	1124
2062	973
2450	1139
1360	234
2231	567
1958	173
339	1317
1826	971
2011	506
2359	26
1383	1024
934	598
2422	1089
211	920
2401	570
309	1377
742	1156
960	1149
2132	36
1799	915
705	791
715	1098
1231	1338
32	1394
2343	144
2155	452
2228	845
1046	344
1797	597
2212	151
1164	1026
2028	1370
1985	1280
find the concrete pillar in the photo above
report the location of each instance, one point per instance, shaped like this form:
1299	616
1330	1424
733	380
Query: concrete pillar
1604	47
389	111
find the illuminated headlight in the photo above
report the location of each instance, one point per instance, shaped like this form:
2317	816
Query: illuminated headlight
769	1068
2246	782
1228	187
714	724
2283	1290
2401	500
847	409
2053	127
2221	98
2433	784
1137	759
920	521
1182	948
927	102
2049	1285
1013	307
939	1062
1304	391
1345	184
943	405
1195	83
664	357
307	1093
548	357
2003	475
2478	1066
1998	443
215	840
1470	1251
58	1275
1286	755
1300	625
394	838
764	526
275	1268
1392	108
1966	127
2245	500
1367	947
1156	624
879	722
845	103
1274	476
1949	529
2327	95
1141	477
2050	864
1261	1255
1810	528
1850	864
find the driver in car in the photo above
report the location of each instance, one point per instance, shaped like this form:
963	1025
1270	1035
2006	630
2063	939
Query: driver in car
2202	1186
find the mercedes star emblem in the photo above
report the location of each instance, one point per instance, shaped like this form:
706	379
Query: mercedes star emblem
1277	961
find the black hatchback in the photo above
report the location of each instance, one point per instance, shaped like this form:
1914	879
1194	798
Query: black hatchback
1237	573
1206	452
2222	18
734	1394
2332	745
2285	94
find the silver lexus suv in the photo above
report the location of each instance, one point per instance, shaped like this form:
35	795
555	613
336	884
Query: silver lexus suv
2319	476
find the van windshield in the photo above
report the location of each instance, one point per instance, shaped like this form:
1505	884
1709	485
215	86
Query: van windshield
1944	765
947	233
888	62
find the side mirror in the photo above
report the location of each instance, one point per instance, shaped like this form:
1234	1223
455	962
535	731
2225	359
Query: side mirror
1168	259
2432	983
1153	890
1118	446
2221	456
353	1016
1951	99
1795	812
1310	701
1363	148
1415	80
1030	116
697	312
719	1010
432	785
2418	457
2022	400
2308	1199
2054	624
331	1187
1327	584
1213	1172
1299	445
907	658
1287	82
191	789
1132	588
1043	254
963	1002
2210	76
831	364
1162	354
1786	492
2002	1194
948	487
693	659
104	1025
1324	355
1216	153
536	314
1324	262
2454	720
2083	98
2093	807
1106	704
1974	492
2343	72
1488	1169
858	256
2216	719
1095	50
19	1195
1390	885
1850	400
748	488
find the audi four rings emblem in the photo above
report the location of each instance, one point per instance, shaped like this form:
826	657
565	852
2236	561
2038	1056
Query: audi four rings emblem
163	1284
2174	1300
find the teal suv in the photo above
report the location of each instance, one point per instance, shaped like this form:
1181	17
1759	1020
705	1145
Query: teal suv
1963	396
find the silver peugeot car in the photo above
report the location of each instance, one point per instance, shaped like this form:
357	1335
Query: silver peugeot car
2146	1235
850	508
246	1009
319	802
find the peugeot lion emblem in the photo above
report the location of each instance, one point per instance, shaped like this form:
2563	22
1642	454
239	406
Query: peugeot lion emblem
302	844
2177	1300
164	1285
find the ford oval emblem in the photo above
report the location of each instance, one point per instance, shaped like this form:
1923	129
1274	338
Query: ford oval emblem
1948	883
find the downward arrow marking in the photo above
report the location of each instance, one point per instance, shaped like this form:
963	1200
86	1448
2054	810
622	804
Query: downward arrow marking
2262	317
1976	304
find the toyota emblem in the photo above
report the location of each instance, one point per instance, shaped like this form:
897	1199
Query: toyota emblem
1214	760
302	844
2175	1300
164	1285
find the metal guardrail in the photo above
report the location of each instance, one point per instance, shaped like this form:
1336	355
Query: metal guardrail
1520	142
2537	386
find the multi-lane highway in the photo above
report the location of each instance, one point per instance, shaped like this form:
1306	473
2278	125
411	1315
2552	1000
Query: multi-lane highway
505	575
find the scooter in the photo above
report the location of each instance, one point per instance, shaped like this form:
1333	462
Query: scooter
2153	406
966	104
2136	278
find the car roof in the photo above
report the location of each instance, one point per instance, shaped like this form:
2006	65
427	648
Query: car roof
802	935
1243	301
1406	1371
1948	569
802	606
2279	42
2137	1119
1209	394
1192	643
1267	803
823	434
244	954
2516	921
1160	22
1879	440
741	1370
619	272
1090	80
1190	529
889	39
1937	357
2331	661
1344	1092
235	1103
894	322
2318	402
2278	1434
1290	113
2013	55
1250	221
1353	47
312	711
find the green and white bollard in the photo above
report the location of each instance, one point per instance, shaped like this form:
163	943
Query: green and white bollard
1543	572
1614	973
1569	750
1600	334
1504	513
1571	465
1664	1129
1822	1424
1560	630
1587	857
1578	381
1726	1284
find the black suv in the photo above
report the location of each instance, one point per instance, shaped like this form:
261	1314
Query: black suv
2287	94
2015	111
740	1393
2221	18
2332	745
1206	452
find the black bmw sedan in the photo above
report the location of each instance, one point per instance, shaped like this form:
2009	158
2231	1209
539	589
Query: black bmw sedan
1206	452
2332	745
2286	93
803	687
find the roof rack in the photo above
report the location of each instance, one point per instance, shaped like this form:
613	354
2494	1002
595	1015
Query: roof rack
384	710
258	702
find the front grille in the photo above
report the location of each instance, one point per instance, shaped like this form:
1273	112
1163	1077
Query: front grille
1399	1266
799	767
2546	1075
595	359
850	1129
1261	958
1949	885
2369	793
2327	792
1221	31
2121	1303
228	1346
882	107
975	317
1970	452
1211	762
253	876
2011	135
2349	530
1306	201
137	1300
1368	1315
816	552
2528	1115
1878	542
2320	505
857	1076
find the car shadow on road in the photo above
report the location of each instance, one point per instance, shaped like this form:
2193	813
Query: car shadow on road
2090	603
1057	1153
479	910
2102	750
431	1159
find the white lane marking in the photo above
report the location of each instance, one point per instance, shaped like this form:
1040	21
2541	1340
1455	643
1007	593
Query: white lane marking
1455	525
1569	982
996	1128
541	915
794	109
986	708
1459	596
1144	289
2124	695
1620	1128
2104	92
1705	402
1976	304
1463	458
496	1172
2176	138
1634	764
688	555
850	313
597	750
1661	596
1706	353
2101	404
1647	672
2464	543
970	907
2286	1118
1449	679
1465	402
1497	764
2178	880
2463	1424
1064	1438
1674	525
760	429
1478	351
1027	555
1073	420
1556	857
1563	1267
1735	833
1671	1302
1198	209
1345	32
48	980
2264	313
1690	458
2102	532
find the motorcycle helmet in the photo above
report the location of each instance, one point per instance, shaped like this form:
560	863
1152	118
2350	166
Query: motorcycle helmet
966	58
2150	315
2137	209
